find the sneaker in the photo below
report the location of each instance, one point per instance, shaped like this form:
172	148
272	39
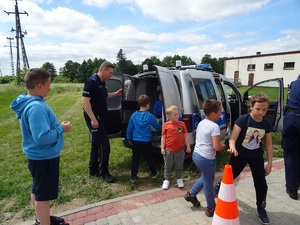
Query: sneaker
55	220
166	185
154	175
262	215
108	178
180	183
133	179
209	212
192	198
217	188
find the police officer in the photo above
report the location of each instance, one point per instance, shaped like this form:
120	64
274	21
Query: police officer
291	140
94	97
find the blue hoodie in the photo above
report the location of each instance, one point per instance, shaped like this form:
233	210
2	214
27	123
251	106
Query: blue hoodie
139	127
42	134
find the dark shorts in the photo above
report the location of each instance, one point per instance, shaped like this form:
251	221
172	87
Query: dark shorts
45	178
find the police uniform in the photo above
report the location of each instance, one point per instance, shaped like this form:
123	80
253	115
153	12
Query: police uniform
96	90
291	141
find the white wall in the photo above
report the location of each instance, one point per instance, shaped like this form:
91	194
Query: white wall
241	64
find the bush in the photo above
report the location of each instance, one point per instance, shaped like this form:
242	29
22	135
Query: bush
61	79
6	79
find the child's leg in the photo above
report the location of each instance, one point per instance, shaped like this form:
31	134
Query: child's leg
259	179
208	168
42	209
169	162
136	155
178	163
147	150
238	164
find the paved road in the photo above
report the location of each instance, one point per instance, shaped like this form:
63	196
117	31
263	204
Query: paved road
159	206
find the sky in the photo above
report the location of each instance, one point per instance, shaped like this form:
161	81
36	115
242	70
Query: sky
77	30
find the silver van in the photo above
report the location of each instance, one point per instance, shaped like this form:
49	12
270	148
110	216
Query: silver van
187	88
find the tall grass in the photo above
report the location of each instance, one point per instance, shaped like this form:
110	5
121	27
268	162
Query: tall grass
75	183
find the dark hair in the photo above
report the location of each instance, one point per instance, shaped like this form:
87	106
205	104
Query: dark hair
143	100
210	106
260	97
35	76
106	65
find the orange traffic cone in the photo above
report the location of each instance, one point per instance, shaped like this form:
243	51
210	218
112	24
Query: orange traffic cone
226	211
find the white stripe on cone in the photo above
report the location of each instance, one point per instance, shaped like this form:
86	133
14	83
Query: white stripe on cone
220	221
227	192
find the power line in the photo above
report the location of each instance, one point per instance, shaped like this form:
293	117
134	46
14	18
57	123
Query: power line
11	55
19	38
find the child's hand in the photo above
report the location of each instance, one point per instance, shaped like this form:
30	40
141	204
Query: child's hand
233	151
188	150
67	126
163	151
223	145
268	169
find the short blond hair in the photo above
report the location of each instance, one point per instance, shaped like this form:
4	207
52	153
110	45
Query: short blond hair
170	109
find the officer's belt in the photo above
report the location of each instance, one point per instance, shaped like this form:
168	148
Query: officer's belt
293	110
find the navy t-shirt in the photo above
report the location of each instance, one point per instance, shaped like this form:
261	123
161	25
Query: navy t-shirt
249	141
96	89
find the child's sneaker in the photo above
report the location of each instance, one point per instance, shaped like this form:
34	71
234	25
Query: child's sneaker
154	175
180	183
209	212
262	215
217	188
55	220
166	185
192	198
133	179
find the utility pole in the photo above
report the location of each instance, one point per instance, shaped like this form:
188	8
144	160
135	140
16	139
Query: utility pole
11	55
19	38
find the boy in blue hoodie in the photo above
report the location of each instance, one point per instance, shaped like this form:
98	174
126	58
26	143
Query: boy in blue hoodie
42	141
139	135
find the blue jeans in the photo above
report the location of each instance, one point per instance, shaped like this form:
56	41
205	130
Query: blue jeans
207	168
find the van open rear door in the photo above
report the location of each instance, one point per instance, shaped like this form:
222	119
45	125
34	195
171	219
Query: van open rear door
274	89
169	90
113	125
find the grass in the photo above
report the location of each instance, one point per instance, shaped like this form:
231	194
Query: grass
75	184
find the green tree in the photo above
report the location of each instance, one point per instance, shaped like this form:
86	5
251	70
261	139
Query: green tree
186	61
83	72
217	64
121	61
153	60
51	69
22	74
70	70
168	61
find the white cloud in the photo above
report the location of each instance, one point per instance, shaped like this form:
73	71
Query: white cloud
237	34
193	10
57	34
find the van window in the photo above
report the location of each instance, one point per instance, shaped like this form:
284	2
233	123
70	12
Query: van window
205	90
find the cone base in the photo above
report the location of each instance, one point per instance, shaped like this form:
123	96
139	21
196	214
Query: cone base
218	220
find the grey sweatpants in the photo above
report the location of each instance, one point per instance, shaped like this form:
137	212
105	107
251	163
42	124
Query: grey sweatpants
175	159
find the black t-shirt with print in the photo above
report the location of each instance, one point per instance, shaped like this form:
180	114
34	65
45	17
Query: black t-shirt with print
249	141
